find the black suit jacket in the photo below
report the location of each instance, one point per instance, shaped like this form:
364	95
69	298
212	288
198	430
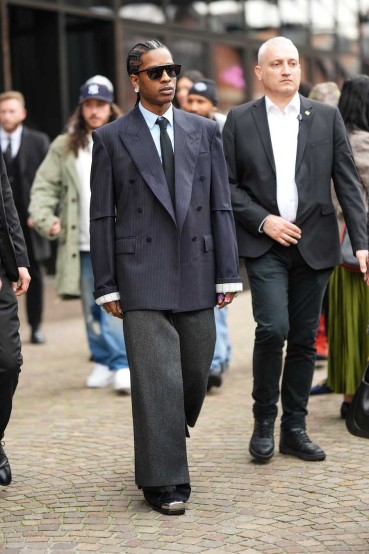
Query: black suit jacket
323	153
13	250
158	257
33	149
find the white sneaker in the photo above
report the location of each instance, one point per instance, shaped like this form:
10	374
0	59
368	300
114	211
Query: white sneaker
122	380
100	377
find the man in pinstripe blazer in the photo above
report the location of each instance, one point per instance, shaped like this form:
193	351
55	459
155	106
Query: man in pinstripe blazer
159	261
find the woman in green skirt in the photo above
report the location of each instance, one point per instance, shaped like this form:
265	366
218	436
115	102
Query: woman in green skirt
348	292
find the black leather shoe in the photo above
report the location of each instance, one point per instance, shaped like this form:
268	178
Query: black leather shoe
166	503
215	379
37	336
5	471
295	442
262	440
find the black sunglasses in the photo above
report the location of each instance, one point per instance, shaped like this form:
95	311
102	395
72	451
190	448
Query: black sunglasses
154	73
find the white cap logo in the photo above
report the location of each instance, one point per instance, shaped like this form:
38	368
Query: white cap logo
93	90
200	86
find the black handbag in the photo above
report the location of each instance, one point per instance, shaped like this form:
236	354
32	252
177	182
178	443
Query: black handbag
349	260
357	420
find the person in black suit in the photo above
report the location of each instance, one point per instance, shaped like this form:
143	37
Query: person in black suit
23	150
162	245
282	152
14	281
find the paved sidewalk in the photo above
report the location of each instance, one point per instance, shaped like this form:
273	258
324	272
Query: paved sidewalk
71	452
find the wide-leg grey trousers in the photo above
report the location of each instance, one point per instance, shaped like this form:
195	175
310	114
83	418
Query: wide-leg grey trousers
169	356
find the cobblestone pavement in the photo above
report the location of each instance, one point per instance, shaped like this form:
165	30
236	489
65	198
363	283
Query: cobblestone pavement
71	451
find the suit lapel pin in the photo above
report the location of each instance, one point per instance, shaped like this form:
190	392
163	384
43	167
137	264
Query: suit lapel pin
307	112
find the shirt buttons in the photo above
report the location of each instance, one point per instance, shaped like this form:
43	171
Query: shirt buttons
139	210
194	239
199	208
149	239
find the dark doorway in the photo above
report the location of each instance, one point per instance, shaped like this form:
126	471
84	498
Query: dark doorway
34	61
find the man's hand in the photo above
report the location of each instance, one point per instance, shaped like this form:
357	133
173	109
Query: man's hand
113	308
281	230
363	259
30	222
55	228
24	280
225	299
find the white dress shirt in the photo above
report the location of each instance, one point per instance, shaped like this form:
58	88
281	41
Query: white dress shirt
84	160
284	129
15	136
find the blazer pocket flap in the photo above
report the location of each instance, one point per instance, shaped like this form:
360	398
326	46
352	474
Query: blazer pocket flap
209	243
328	209
125	246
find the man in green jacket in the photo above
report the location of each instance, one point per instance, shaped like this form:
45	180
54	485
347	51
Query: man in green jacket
59	208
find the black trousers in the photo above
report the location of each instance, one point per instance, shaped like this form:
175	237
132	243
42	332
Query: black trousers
287	297
169	356
35	294
10	349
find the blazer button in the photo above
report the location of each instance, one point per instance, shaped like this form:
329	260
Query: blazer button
132	181
73	226
149	239
74	255
194	238
139	210
199	208
202	178
274	203
74	200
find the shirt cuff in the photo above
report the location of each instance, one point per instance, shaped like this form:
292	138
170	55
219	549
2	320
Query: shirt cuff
107	298
260	230
228	287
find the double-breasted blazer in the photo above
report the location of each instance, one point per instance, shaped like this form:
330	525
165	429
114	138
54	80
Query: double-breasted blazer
13	251
323	153
157	256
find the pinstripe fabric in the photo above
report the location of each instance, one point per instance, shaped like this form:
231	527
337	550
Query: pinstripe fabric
157	257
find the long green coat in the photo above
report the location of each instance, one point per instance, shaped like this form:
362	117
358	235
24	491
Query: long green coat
55	193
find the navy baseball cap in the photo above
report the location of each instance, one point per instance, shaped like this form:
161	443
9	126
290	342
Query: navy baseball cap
96	91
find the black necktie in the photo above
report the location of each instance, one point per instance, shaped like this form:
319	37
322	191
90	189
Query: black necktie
167	156
8	152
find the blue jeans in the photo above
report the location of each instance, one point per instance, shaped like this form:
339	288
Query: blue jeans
104	332
222	352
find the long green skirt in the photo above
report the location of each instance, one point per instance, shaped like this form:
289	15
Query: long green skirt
347	334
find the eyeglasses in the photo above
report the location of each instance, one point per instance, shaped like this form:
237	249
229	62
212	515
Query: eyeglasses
154	73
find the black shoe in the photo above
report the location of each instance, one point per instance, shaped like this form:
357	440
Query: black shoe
166	503
215	378
262	440
295	442
37	336
321	388
345	406
5	471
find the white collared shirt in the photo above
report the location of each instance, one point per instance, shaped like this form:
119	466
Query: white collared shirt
151	118
83	163
15	136
284	129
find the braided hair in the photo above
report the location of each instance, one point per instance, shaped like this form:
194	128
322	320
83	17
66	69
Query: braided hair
134	57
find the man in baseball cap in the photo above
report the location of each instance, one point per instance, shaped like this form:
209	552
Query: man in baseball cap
203	100
63	181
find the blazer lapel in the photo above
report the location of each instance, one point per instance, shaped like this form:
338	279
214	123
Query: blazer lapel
261	122
139	143
306	117
186	150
